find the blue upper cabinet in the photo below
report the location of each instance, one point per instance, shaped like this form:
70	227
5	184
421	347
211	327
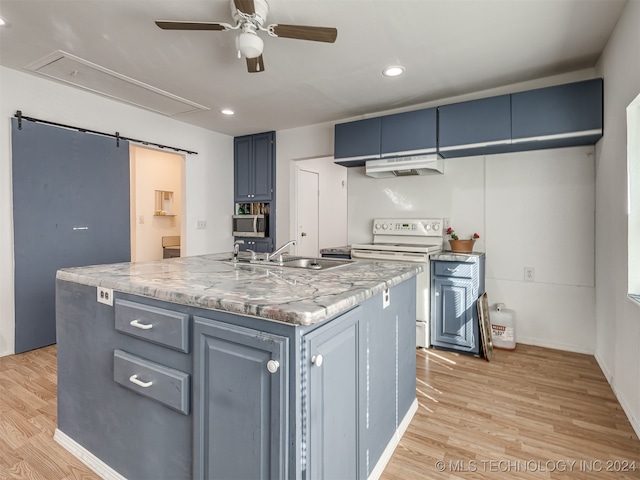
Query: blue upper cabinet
478	127
409	133
356	142
559	116
254	167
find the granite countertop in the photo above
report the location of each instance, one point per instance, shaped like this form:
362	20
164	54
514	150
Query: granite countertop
457	257
291	295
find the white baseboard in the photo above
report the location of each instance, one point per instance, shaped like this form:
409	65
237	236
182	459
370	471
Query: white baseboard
85	456
633	420
556	346
393	443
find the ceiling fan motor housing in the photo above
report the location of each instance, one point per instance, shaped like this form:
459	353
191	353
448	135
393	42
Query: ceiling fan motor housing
261	9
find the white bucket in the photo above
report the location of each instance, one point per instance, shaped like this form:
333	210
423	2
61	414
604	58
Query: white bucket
503	327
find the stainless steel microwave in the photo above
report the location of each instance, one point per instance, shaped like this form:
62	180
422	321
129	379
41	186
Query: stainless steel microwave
250	226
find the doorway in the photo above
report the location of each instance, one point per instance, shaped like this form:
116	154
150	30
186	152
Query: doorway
156	202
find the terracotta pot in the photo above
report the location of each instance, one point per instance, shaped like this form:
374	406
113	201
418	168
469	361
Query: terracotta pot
461	246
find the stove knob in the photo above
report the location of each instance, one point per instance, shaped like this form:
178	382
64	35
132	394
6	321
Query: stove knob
377	226
428	227
436	226
384	226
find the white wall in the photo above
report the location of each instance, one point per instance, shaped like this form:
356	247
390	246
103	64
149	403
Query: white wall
617	317
531	209
153	170
209	193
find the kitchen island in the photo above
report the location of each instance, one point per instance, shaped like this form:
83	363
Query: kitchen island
201	367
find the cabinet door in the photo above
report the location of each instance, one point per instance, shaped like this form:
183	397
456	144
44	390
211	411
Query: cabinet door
357	141
262	167
243	167
477	127
454	323
240	406
331	409
563	115
409	133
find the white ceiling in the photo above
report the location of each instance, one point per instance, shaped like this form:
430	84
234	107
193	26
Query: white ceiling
448	47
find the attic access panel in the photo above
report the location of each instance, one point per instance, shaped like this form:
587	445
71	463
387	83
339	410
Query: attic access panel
81	73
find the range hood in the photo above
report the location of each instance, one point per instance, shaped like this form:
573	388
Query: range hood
405	166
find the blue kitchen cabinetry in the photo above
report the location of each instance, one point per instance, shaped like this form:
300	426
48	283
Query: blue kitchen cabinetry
254	175
558	116
258	245
254	167
240	388
239	396
477	127
356	142
456	283
400	134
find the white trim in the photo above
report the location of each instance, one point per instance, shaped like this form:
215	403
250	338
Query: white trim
85	456
474	145
393	443
407	153
587	350
557	136
635	422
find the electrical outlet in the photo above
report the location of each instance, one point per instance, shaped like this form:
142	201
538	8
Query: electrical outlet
529	274
446	224
105	295
202	224
386	301
140	219
172	221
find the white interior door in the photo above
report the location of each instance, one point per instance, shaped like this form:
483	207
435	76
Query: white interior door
308	194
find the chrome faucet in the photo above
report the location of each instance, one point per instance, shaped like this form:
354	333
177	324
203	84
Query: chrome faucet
236	249
278	251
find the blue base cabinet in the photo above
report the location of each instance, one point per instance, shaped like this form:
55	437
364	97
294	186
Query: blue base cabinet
240	397
241	389
455	288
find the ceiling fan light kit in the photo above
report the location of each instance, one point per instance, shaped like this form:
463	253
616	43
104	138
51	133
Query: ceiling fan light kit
250	15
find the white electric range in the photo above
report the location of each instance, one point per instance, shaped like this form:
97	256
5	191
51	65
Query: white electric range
407	240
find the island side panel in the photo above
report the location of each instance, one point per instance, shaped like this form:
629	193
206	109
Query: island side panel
130	433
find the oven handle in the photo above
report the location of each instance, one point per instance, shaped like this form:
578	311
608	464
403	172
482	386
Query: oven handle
380	255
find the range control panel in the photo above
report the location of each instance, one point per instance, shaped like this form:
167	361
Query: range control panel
421	227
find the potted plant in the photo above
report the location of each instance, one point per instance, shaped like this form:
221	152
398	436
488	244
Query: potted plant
461	246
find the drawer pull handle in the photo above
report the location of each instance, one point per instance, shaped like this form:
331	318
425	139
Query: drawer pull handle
273	366
317	360
141	326
452	269
134	379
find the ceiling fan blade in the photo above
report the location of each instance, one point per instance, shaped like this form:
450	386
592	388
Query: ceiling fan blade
245	6
301	32
168	25
255	65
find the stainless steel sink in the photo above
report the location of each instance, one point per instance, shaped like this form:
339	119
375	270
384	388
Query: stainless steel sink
308	263
314	263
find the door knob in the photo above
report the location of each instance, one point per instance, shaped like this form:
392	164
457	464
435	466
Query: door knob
317	360
303	234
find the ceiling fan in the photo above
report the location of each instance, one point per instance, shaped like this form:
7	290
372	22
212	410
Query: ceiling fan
250	16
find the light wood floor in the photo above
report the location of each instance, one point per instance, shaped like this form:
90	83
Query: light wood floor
532	409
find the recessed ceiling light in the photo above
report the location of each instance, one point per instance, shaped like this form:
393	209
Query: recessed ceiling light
227	111
2	21
393	71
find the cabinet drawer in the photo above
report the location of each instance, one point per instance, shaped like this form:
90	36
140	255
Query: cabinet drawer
154	324
454	269
163	384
